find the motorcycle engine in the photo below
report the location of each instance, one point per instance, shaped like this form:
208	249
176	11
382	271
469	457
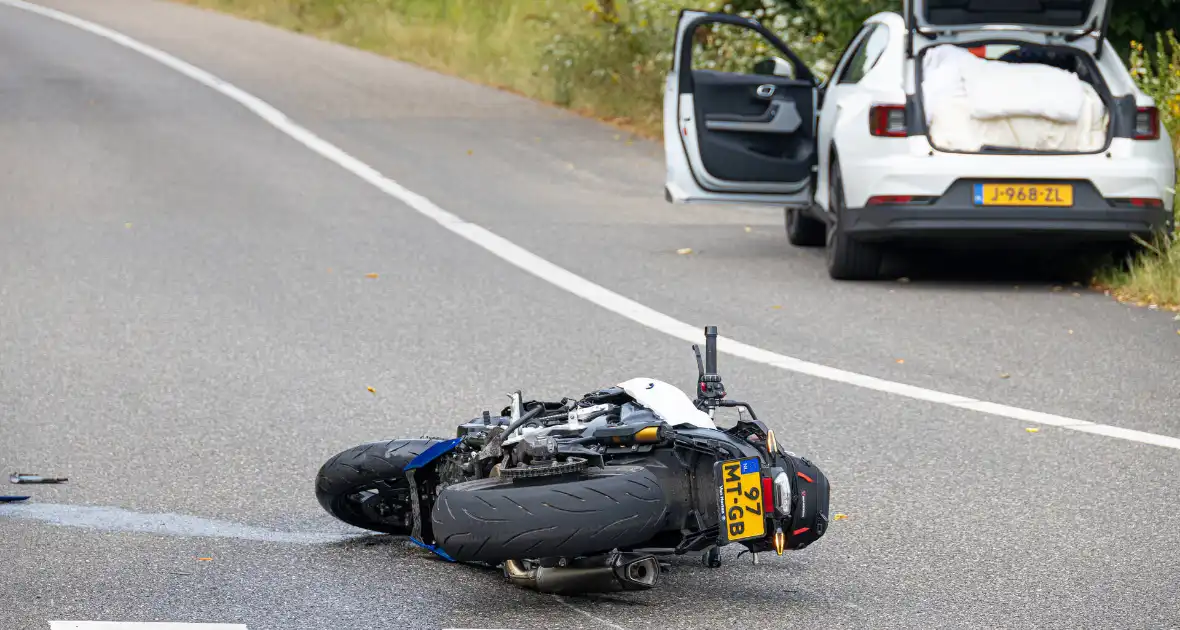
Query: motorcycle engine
455	469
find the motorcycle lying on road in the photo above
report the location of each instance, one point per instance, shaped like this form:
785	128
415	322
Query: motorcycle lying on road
586	495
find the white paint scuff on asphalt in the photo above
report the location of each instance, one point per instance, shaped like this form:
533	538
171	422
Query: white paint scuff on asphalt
113	519
566	279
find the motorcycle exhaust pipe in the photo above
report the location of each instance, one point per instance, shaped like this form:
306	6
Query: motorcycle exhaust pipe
604	574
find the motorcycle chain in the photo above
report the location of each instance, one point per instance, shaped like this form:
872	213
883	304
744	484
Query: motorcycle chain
553	469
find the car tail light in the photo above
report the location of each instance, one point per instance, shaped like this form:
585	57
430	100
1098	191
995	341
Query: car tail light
1147	124
887	121
896	200
1146	202
882	200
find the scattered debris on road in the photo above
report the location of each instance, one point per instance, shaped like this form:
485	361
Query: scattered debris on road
25	478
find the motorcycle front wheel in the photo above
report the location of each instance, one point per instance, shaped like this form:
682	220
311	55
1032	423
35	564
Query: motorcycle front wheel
365	486
593	511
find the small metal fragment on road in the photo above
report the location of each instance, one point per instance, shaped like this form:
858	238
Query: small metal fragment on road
26	478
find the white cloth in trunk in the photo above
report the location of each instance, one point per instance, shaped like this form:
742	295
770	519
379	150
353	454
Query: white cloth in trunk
998	89
971	102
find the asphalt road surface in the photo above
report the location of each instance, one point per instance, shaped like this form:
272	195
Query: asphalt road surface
188	330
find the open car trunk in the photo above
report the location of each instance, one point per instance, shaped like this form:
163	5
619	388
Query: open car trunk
1008	97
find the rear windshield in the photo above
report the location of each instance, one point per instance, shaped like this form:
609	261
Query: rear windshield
1040	12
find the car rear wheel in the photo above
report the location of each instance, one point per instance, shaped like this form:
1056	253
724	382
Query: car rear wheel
848	259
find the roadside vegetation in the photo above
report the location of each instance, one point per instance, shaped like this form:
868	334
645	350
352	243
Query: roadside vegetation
608	59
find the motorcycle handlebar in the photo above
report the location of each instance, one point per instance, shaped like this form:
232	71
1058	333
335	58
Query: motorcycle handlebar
710	350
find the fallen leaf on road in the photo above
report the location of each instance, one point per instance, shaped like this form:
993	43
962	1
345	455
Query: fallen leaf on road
127	225
370	275
469	152
686	250
748	229
777	306
839	516
1031	429
205	559
371	390
1005	375
1071	332
901	360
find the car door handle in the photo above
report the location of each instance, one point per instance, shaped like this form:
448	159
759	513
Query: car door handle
781	117
765	91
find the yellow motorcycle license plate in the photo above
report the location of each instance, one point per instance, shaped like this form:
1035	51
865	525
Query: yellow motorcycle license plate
742	514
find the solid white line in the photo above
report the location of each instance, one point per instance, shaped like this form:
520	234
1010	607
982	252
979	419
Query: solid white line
569	281
131	625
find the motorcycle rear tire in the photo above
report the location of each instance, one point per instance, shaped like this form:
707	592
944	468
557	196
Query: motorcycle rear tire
595	511
372	465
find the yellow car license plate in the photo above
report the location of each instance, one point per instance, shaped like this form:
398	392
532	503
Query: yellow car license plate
741	499
1054	195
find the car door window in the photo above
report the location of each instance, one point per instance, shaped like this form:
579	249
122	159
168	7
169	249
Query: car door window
866	55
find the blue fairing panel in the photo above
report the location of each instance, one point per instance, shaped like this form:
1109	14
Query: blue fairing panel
433	548
432	453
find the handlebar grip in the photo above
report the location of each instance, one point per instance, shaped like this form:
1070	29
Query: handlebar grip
710	349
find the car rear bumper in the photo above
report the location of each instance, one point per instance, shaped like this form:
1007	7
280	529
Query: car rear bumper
1091	218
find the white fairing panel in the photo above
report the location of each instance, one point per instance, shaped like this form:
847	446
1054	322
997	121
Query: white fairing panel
667	401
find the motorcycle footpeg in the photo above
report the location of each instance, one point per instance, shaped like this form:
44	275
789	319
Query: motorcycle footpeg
712	558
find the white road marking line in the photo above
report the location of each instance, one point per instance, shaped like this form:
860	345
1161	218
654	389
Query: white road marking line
132	625
569	281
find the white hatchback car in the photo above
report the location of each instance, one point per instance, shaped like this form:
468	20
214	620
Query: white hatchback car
957	118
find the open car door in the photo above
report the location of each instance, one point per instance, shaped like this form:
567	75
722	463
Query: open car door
734	134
